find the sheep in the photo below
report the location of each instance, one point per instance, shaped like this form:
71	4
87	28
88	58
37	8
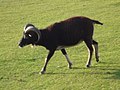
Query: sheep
61	35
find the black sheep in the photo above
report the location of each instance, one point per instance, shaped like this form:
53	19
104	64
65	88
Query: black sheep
62	34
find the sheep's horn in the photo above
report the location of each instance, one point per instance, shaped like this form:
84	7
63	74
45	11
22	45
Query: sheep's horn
28	26
32	28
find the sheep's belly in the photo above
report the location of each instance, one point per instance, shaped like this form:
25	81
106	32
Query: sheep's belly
64	46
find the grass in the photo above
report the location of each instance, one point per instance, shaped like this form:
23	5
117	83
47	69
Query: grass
19	68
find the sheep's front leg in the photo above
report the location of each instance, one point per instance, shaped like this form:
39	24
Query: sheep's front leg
95	44
68	60
50	54
90	50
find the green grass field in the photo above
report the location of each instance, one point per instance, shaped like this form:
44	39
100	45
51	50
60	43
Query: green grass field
19	68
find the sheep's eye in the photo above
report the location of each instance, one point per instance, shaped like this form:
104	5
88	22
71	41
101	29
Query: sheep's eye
27	36
30	35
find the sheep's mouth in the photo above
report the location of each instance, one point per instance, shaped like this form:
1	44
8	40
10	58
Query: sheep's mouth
21	46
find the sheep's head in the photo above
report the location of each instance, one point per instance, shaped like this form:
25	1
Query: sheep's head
31	35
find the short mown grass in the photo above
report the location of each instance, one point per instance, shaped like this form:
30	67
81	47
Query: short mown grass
19	68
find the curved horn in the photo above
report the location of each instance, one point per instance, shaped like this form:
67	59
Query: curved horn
32	28
28	26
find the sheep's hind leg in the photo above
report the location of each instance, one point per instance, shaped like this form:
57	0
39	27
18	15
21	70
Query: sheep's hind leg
68	60
95	44
88	42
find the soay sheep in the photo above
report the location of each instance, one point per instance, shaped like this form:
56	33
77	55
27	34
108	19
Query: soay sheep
62	34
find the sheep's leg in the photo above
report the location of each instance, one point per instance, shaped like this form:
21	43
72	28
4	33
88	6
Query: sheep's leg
90	50
95	44
50	54
66	56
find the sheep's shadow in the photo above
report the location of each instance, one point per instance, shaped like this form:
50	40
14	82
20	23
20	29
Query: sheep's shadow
108	69
109	72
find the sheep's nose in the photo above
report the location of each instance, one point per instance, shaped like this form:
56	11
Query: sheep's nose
20	45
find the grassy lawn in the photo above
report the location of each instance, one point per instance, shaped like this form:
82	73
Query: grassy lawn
19	68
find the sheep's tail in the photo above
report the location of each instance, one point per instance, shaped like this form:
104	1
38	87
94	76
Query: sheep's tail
97	22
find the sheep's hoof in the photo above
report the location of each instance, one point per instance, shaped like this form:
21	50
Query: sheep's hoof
87	66
97	59
70	66
42	71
